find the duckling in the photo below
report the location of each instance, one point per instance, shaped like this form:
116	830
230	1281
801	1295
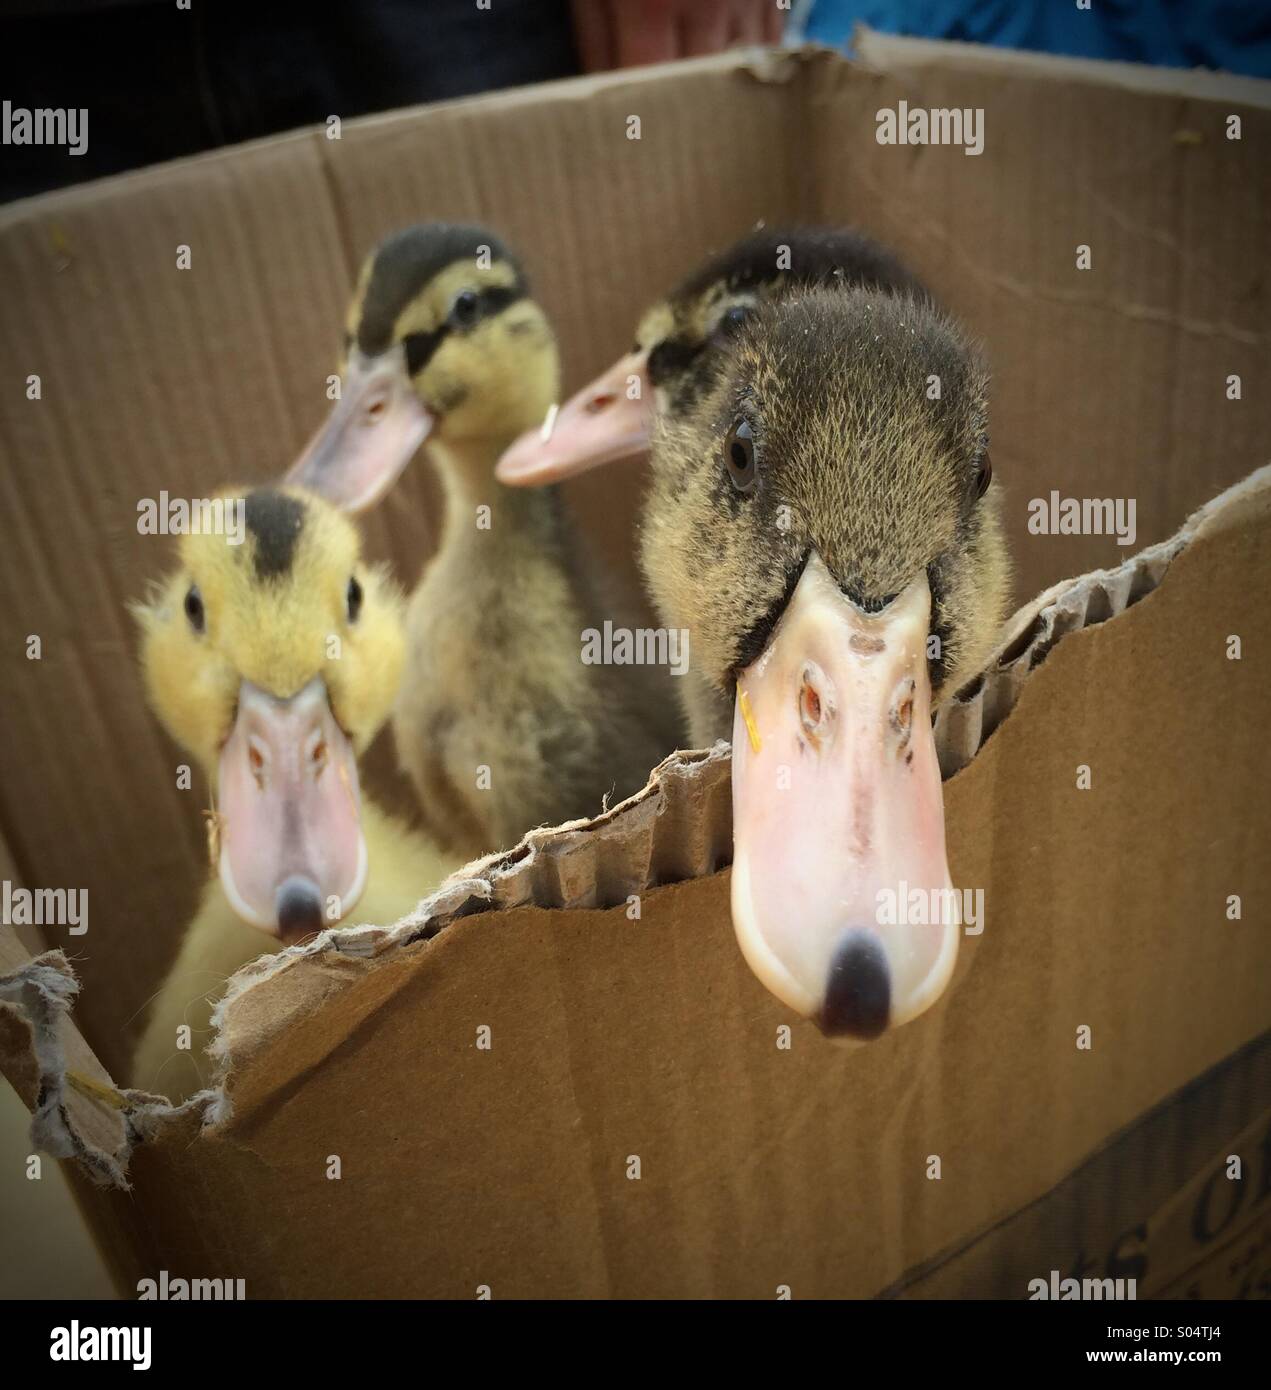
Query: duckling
501	724
681	341
857	574
819	519
274	661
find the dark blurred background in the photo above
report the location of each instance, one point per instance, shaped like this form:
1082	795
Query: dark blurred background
159	81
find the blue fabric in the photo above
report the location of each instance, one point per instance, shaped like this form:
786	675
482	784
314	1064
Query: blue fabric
1232	35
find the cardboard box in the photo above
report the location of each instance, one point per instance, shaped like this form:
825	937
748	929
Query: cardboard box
623	1046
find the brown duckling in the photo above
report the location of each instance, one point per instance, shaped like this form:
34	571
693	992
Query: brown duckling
818	520
501	724
274	662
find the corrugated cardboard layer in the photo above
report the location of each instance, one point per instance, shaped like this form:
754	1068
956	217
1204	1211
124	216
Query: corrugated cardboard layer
615	1041
1108	383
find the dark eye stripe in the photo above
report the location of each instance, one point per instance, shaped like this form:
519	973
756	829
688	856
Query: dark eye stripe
490	301
495	298
421	346
670	358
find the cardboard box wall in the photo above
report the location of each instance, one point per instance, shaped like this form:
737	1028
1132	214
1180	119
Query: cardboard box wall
615	1038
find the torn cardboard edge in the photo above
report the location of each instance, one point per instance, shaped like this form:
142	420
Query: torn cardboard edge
678	827
76	1111
966	721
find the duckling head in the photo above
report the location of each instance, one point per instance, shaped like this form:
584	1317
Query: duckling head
442	340
681	343
274	661
818	520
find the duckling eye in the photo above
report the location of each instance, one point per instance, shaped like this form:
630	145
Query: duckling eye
354	599
983	476
194	608
733	319
465	310
739	455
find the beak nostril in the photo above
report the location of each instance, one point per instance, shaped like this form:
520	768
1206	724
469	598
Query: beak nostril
319	755
809	706
376	408
902	712
256	761
601	401
815	709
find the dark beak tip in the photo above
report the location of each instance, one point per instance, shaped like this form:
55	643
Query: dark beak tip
857	989
299	910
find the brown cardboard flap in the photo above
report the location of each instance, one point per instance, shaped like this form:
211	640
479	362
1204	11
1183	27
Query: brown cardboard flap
591	1102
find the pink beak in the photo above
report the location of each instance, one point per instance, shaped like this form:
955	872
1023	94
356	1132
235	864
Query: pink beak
838	817
369	437
292	858
607	420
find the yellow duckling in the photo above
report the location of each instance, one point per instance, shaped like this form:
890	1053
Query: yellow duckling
274	662
502	724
